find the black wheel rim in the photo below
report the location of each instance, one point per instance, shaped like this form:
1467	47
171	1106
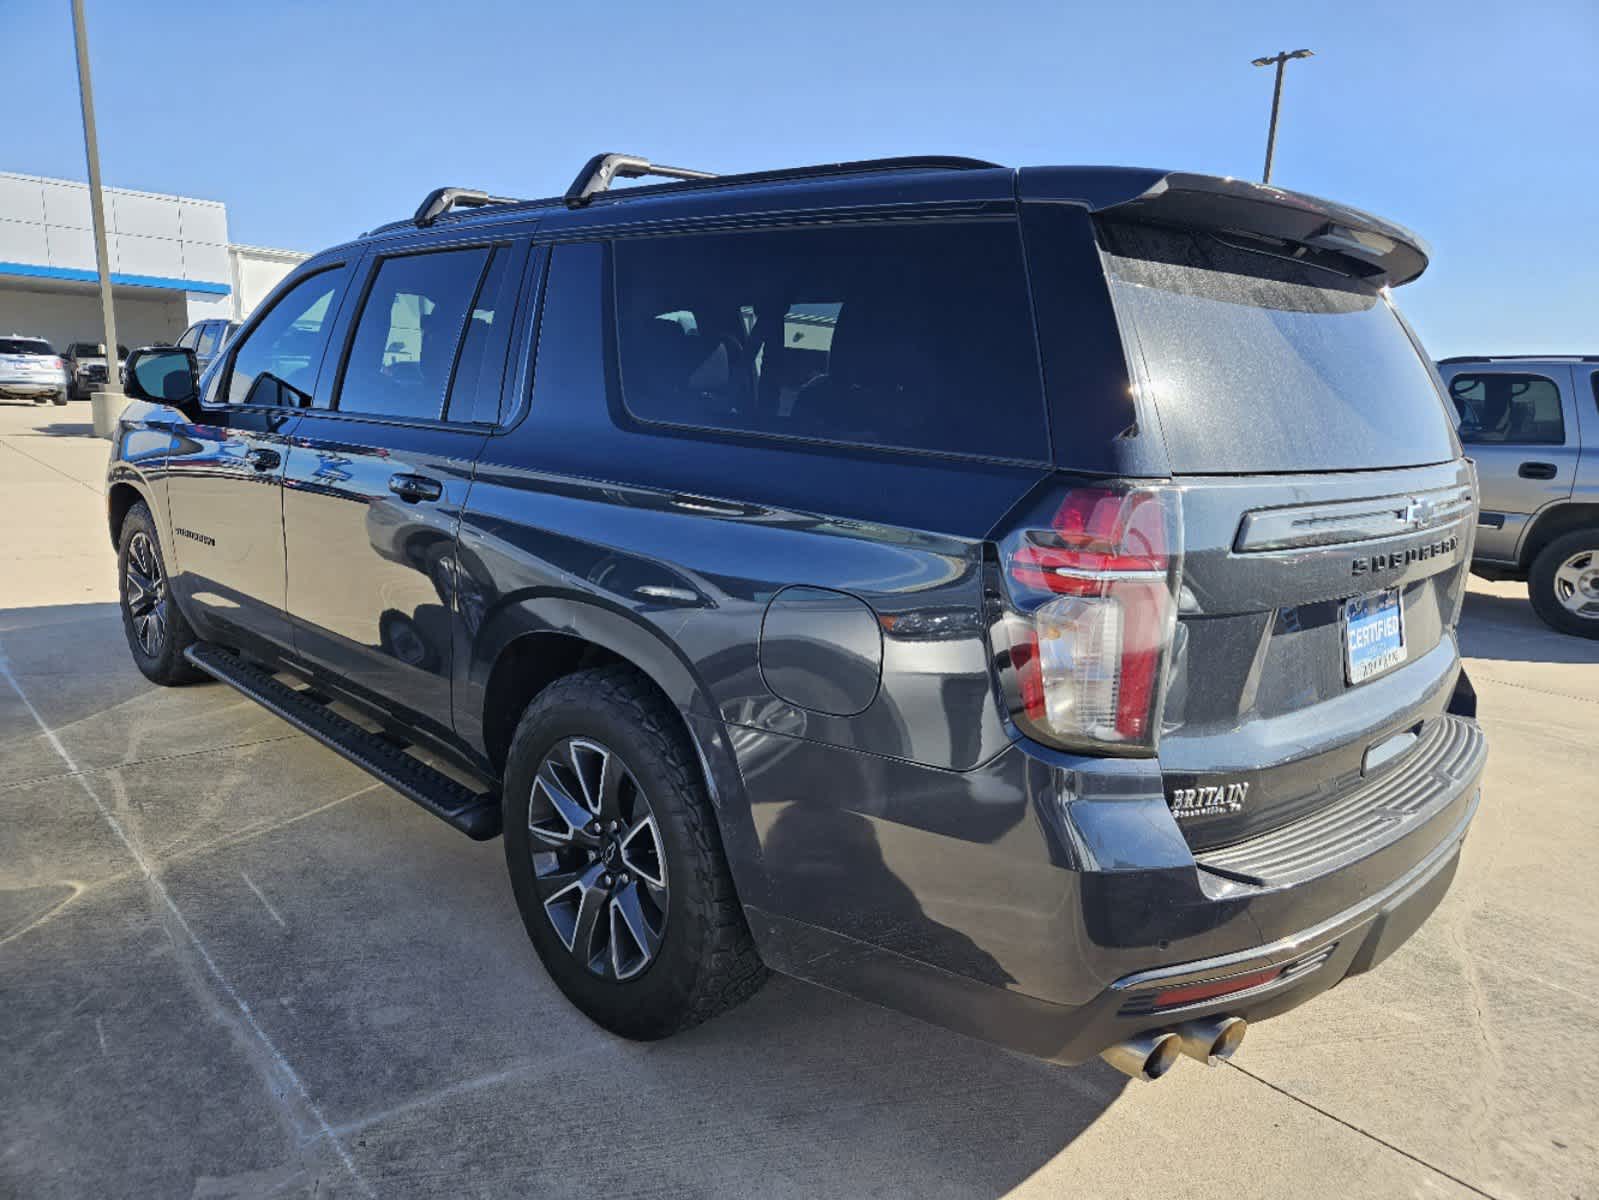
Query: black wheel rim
598	860
146	594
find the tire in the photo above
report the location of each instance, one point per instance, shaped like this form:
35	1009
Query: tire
156	629
59	398
1566	574
703	961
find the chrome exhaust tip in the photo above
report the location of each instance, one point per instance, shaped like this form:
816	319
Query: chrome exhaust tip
1147	1056
1212	1040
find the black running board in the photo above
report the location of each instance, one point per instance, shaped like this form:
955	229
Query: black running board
476	814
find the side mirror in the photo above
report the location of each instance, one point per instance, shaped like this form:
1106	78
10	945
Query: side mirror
163	375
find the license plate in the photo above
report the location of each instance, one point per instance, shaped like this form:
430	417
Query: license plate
1374	634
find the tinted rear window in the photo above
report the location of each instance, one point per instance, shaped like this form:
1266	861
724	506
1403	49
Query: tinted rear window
24	346
915	337
1259	363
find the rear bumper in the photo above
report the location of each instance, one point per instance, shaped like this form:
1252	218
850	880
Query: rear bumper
1312	959
31	388
1061	961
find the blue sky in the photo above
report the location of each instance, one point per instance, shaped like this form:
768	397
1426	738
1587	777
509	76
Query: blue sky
1471	122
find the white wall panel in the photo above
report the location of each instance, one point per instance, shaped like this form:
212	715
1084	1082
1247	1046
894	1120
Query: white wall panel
204	222
72	248
146	216
21	241
206	262
67	204
21	199
146	256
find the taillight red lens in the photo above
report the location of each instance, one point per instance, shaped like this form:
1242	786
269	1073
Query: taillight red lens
1093	610
1095	534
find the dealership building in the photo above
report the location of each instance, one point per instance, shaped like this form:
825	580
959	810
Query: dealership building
171	263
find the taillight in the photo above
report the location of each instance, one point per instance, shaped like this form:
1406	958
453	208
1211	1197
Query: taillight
1091	610
59	364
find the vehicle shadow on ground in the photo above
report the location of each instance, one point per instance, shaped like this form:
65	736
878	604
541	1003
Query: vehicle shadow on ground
58	429
1506	628
800	1091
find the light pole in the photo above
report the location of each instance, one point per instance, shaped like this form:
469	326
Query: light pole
91	144
1281	61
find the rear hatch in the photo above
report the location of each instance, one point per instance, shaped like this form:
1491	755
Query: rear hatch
27	359
1326	518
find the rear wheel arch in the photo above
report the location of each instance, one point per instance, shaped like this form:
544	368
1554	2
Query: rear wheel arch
535	642
1556	521
524	667
528	646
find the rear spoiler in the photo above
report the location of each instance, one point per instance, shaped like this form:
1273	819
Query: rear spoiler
1379	250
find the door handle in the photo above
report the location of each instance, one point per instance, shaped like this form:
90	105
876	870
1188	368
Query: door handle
1537	470
263	460
412	488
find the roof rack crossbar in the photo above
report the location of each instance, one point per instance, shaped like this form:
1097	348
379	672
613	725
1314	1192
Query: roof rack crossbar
441	200
599	171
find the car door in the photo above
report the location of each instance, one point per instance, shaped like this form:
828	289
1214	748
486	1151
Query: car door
379	471
1518	422
225	468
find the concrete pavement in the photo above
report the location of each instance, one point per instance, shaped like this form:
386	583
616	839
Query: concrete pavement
231	965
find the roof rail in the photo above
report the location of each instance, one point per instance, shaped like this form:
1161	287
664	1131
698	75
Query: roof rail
599	171
1473	358
441	200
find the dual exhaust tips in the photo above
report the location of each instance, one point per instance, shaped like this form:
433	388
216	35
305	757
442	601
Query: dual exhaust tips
1148	1056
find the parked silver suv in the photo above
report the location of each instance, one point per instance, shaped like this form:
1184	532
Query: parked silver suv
1525	421
31	370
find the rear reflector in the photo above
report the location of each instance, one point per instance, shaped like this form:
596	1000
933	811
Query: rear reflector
1193	993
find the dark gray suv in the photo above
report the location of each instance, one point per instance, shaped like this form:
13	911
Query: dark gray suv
1024	598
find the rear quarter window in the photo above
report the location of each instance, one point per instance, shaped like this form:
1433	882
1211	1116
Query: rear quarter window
913	337
1508	407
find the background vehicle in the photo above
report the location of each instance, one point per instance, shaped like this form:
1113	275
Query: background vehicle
885	573
1532	425
86	367
31	370
206	339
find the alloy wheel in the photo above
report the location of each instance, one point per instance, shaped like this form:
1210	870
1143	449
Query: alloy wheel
1577	584
598	860
146	594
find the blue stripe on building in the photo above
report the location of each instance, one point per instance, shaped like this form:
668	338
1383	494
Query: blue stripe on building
34	271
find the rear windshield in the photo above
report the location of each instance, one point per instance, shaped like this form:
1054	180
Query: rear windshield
1260	363
24	346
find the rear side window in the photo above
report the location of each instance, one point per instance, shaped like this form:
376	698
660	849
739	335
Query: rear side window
207	344
277	361
408	332
1258	363
475	389
914	337
1501	407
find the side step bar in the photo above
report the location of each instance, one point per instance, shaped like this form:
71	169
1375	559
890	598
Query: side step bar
476	814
